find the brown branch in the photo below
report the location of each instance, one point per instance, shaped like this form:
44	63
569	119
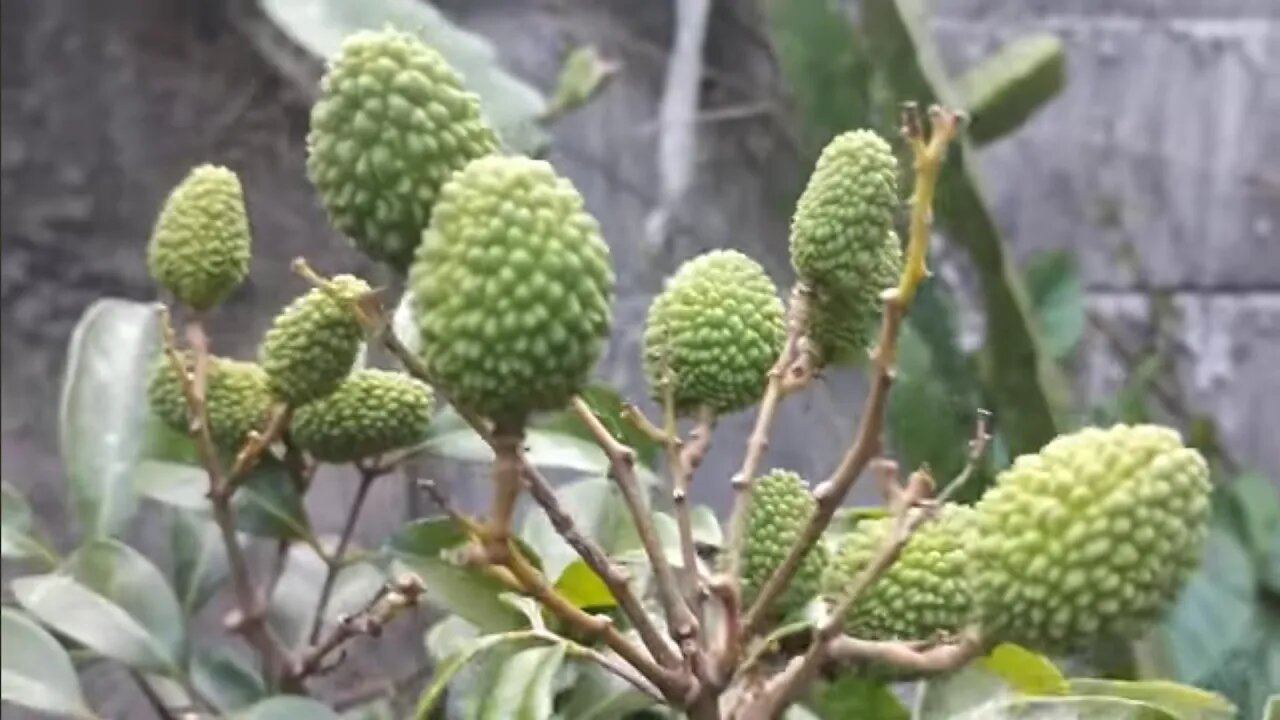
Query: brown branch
506	490
388	603
634	415
687	458
334	561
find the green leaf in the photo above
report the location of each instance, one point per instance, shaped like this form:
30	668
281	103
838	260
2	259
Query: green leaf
966	692
19	539
226	678
1007	88
1057	294
1068	708
583	74
583	587
35	671
850	696
1257	507
199	559
1273	708
608	405
511	105
525	685
449	667
706	526
287	707
423	547
111	599
1185	702
1025	671
266	503
292	609
600	695
104	408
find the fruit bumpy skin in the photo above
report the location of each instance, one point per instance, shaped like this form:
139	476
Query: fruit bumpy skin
780	504
924	593
236	399
393	122
312	345
371	412
1091	536
199	249
715	331
842	241
511	289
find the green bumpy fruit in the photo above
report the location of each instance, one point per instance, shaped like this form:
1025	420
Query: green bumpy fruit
779	508
511	289
392	124
714	332
924	593
842	242
236	399
1091	536
313	344
371	412
199	249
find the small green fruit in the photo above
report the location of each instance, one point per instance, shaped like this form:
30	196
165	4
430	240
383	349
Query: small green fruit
1090	537
512	286
779	508
925	593
313	344
371	412
236	398
714	332
393	122
199	249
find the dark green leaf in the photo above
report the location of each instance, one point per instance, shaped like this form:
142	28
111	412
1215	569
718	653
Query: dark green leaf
1008	87
1057	294
424	547
199	559
1185	702
1025	671
525	685
104	409
111	599
583	587
287	707
511	105
850	696
35	671
266	503
226	678
18	537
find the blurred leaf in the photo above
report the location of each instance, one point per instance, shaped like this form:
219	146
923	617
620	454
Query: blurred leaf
583	587
608	405
706	526
226	678
966	692
1057	294
423	546
511	105
1183	701
1257	505
1068	708
1007	88
850	696
292	609
287	707
449	669
104	408
18	537
524	688
597	509
404	326
583	74
1025	671
380	709
266	503
1273	708
35	671
600	695
111	599
199	559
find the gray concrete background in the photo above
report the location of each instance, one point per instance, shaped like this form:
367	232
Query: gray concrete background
1165	141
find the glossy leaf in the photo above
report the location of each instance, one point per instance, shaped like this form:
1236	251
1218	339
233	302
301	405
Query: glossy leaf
19	539
103	409
35	671
850	696
266	503
1025	671
1057	294
226	678
1185	702
583	587
511	105
287	707
199	559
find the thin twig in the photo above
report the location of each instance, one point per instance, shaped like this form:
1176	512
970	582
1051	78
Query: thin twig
334	561
687	458
153	698
977	447
388	603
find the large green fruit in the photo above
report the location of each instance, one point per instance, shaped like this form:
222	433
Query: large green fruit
199	249
843	321
236	398
512	286
1090	537
924	593
779	508
371	412
393	122
313	344
714	332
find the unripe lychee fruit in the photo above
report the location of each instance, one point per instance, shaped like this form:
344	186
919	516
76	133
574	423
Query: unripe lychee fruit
512	286
779	508
199	249
714	332
371	412
925	593
236	398
393	122
843	320
314	342
1091	536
